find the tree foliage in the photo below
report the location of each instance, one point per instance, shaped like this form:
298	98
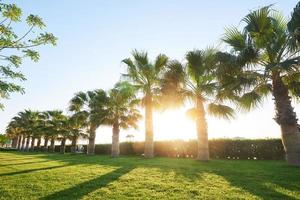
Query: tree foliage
267	45
15	46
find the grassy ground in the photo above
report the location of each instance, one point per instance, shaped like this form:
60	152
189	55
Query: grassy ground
53	176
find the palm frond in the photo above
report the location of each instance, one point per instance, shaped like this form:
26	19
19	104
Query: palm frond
249	100
234	38
294	28
221	111
160	62
259	25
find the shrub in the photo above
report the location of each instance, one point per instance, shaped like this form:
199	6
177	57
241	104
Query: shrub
261	149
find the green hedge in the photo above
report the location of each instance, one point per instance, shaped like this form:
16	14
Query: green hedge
7	149
262	149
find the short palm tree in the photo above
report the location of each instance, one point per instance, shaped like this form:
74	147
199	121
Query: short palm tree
14	131
92	103
121	112
195	81
63	131
76	125
27	121
42	131
55	126
263	60
146	75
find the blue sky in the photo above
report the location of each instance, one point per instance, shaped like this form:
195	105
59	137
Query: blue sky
94	36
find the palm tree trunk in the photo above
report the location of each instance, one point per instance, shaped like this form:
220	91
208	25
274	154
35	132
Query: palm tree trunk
45	147
149	147
92	138
115	150
201	125
19	142
38	145
52	145
27	143
73	145
63	146
287	119
23	143
14	142
32	143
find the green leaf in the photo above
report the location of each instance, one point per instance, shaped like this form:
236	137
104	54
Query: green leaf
34	20
33	55
12	12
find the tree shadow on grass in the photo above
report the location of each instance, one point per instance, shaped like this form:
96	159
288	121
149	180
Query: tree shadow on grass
249	176
255	187
32	170
15	159
24	163
254	177
89	186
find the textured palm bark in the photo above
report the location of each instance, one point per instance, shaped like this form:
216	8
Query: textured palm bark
20	142
63	146
149	147
115	149
27	143
201	125
52	145
45	147
23	143
74	145
286	118
38	145
32	144
92	138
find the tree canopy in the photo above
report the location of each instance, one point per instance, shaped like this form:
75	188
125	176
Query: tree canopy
15	46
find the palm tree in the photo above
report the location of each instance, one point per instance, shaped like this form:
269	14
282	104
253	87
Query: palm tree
76	125
263	60
146	77
46	140
121	112
16	125
27	122
13	131
42	131
56	123
92	103
46	130
63	130
195	81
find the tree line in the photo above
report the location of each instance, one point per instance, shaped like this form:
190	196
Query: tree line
262	60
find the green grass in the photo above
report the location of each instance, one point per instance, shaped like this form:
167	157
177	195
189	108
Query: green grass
53	176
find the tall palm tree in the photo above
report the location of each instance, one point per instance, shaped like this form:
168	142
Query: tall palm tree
146	75
195	81
121	112
92	103
263	60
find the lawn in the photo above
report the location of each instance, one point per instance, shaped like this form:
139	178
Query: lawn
54	176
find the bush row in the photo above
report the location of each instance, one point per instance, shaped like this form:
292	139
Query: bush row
262	149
